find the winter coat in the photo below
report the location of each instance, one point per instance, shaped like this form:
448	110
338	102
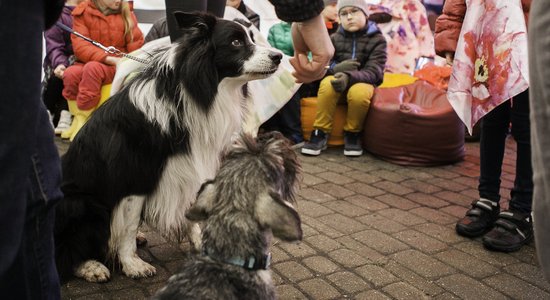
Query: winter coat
107	30
58	41
449	24
158	30
367	46
280	37
297	10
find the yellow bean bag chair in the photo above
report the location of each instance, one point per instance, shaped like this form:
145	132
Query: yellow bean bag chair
80	117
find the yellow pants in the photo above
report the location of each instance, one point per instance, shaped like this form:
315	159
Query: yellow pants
358	100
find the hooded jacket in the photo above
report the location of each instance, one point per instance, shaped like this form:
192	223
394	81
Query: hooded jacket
367	46
280	37
107	30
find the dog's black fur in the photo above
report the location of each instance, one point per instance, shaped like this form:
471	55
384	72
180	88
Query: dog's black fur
148	149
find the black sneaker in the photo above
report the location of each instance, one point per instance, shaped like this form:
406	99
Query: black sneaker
512	230
352	144
479	219
317	143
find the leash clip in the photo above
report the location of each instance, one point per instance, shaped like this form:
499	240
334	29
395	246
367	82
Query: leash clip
113	50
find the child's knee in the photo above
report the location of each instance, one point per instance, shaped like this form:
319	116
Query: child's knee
360	92
325	87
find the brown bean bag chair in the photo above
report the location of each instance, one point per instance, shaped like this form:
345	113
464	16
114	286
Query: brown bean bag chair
413	125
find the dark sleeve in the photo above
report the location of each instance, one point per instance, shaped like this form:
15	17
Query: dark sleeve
56	49
157	31
373	70
448	26
297	10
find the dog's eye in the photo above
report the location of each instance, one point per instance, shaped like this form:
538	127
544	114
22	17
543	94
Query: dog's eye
237	43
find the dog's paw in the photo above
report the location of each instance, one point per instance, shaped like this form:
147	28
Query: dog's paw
135	267
195	237
93	271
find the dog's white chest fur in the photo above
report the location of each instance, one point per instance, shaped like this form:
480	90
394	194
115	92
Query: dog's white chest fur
210	134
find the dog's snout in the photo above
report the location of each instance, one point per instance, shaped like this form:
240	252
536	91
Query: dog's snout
275	57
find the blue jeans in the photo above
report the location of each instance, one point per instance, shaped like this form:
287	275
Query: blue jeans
30	169
495	127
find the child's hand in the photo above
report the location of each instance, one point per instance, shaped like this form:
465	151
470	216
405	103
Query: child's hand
340	82
59	71
346	65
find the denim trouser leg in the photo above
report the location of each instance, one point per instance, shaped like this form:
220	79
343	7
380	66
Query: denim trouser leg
33	274
30	173
522	192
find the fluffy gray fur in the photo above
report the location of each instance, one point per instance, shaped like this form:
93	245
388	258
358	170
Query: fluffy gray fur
243	208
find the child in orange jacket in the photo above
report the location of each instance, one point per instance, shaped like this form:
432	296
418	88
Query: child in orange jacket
111	23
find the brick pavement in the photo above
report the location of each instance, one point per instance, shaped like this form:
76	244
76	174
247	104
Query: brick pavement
372	230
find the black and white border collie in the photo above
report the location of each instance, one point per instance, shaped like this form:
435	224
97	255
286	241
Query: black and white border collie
145	153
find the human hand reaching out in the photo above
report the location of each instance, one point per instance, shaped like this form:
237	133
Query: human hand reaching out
310	35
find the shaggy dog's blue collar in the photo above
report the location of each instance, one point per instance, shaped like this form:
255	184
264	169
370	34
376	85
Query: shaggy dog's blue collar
250	263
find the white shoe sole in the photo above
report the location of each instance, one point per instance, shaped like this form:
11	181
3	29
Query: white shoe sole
313	152
59	131
353	152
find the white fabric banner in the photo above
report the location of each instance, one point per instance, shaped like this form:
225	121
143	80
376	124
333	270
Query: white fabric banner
490	64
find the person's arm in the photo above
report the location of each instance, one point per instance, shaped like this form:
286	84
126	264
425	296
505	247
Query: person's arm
55	47
448	26
309	33
307	36
56	50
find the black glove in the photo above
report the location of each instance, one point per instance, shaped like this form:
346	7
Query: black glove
346	65
340	82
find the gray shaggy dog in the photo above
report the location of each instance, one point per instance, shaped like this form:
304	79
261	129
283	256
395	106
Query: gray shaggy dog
244	207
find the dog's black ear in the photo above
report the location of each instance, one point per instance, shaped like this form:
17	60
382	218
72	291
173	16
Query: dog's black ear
280	216
197	20
202	207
